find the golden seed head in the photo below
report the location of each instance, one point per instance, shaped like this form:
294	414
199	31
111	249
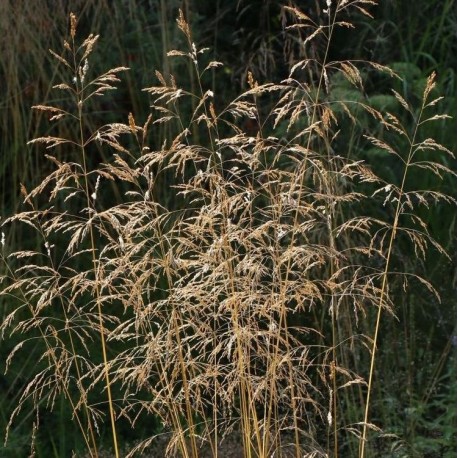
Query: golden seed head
183	25
251	81
132	123
73	22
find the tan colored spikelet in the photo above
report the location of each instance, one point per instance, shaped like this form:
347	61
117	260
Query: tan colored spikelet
160	78
317	32
352	74
213	64
299	14
430	85
384	69
59	58
62	86
173	82
146	126
48	108
251	81
132	123
212	113
89	43
401	100
326	80
364	11
23	190
183	25
73	22
176	53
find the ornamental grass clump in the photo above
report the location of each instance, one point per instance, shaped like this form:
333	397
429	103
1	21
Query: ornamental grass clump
225	284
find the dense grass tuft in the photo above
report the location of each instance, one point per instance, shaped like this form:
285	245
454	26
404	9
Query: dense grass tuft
218	266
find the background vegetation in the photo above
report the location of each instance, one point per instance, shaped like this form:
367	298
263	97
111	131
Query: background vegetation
414	400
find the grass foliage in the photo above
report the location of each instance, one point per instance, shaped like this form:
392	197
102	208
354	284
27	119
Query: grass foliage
218	266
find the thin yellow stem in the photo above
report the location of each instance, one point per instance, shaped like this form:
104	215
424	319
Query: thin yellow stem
97	288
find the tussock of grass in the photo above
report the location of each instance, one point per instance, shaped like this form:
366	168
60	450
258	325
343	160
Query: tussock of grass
236	301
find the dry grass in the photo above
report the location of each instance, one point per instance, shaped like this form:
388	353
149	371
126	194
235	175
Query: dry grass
237	303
